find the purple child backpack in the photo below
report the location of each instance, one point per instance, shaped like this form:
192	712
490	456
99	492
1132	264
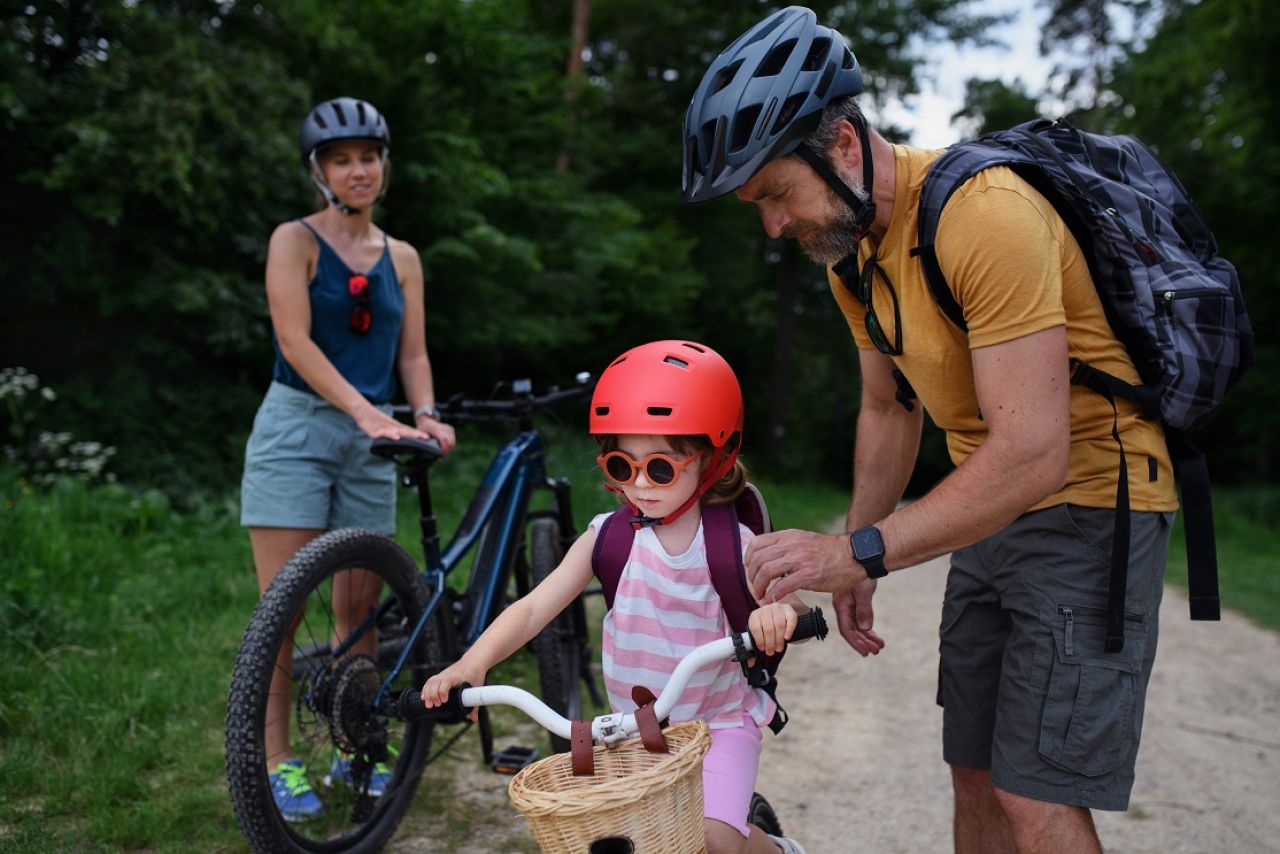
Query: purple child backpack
724	559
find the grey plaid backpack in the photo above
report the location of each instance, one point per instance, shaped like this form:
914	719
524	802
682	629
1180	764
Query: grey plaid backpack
1171	301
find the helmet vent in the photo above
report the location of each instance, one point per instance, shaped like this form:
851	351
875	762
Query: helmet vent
618	362
817	53
319	119
743	123
661	411
725	76
776	59
694	347
848	59
679	363
764	29
341	116
360	117
789	109
691	155
602	411
827	76
709	135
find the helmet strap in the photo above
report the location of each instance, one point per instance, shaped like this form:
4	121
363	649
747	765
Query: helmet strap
864	212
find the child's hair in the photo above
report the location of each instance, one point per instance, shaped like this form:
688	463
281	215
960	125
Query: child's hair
724	491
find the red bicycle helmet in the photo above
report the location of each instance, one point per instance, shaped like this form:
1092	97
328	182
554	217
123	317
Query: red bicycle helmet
673	388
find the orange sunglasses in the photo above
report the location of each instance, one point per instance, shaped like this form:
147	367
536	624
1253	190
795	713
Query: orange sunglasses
661	469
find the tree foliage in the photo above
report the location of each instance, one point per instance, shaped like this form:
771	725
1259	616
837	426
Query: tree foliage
151	147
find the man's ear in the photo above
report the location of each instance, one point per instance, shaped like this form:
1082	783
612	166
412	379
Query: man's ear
848	148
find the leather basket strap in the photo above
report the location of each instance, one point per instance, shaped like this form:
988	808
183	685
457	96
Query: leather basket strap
647	720
584	762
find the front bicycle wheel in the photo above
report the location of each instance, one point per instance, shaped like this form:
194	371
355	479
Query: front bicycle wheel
761	814
560	647
306	686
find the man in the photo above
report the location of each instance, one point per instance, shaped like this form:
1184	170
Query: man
1040	724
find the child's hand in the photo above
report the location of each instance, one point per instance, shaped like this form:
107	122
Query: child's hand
771	626
436	691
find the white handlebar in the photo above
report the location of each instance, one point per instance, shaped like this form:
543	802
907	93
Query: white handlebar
612	727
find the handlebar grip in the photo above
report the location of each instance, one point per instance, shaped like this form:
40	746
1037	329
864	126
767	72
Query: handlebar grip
810	625
410	707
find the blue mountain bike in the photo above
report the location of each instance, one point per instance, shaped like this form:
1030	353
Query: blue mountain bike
342	689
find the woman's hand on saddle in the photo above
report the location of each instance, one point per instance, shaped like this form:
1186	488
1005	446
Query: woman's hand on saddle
377	424
438	430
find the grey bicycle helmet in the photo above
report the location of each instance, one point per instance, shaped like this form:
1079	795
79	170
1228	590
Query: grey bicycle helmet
337	120
340	119
760	98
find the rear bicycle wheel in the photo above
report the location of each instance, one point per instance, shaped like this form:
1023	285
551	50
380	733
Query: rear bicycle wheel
560	647
761	814
321	703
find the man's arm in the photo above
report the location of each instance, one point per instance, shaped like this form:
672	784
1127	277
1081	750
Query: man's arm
888	439
1023	391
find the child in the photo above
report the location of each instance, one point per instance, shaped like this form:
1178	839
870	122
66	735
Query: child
668	417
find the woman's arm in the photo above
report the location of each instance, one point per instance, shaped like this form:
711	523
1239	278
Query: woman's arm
412	360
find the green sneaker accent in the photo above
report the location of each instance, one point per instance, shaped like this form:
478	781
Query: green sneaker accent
294	797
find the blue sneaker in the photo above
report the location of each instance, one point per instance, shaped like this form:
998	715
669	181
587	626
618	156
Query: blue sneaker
295	798
340	772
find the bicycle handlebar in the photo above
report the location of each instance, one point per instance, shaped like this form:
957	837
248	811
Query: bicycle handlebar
604	728
523	403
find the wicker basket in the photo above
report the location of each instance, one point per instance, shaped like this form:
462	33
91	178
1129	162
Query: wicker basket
652	799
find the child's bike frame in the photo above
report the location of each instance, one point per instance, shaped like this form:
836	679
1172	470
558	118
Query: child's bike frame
342	690
612	728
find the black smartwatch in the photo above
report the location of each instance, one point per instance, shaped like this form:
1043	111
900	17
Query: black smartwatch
868	550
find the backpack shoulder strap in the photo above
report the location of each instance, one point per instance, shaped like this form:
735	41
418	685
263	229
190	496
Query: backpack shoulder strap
612	548
752	510
947	174
724	561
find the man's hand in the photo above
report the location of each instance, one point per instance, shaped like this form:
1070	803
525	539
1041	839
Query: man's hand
786	561
855	618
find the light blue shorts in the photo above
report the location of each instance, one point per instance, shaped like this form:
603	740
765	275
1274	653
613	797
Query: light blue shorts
307	465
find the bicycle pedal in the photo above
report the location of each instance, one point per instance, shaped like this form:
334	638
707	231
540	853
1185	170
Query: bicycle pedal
511	759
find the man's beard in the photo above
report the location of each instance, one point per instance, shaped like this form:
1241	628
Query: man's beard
833	241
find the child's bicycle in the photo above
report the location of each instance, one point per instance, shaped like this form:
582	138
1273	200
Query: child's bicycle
625	796
341	693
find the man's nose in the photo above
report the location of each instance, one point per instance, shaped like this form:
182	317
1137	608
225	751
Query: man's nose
774	221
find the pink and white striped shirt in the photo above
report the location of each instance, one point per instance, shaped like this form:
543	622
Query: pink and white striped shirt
665	606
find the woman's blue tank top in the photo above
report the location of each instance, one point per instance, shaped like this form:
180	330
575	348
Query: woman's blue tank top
367	361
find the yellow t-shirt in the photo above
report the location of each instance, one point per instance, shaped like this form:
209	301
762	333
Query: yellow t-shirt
1015	269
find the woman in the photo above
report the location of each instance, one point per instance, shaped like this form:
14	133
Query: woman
347	317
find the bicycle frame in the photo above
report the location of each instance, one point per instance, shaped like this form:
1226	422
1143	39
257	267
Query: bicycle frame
496	517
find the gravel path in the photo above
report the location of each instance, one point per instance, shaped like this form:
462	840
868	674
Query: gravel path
860	766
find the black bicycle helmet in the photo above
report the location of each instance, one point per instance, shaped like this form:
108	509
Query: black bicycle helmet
760	98
337	120
340	119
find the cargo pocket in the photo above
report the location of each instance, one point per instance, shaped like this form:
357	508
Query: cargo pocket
1088	722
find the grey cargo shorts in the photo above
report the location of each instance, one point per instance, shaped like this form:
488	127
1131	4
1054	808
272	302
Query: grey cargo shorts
1025	686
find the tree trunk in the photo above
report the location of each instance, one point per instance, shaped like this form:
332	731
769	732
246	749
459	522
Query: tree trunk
573	76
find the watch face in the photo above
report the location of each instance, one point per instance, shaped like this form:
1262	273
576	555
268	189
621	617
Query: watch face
867	543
